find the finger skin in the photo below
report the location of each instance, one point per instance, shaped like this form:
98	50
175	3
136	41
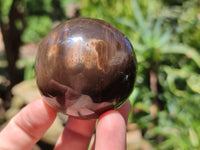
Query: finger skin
76	135
125	110
111	129
28	126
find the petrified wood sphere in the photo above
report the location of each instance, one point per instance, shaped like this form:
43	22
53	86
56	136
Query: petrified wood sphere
85	67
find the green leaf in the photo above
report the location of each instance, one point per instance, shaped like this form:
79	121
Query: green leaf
188	51
172	74
127	22
157	28
165	38
194	82
193	137
192	79
138	14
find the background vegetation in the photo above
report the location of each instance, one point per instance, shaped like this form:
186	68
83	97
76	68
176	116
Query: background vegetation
165	35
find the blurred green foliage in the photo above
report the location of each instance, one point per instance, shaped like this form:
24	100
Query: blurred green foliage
37	27
165	34
5	8
40	16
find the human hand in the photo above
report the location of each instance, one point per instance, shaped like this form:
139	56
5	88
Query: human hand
29	125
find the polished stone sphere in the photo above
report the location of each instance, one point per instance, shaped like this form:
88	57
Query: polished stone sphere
85	67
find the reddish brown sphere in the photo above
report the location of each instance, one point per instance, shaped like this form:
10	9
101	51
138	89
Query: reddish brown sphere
85	67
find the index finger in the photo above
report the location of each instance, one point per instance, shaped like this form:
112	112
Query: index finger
28	126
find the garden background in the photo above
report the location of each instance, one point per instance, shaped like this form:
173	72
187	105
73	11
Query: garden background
165	34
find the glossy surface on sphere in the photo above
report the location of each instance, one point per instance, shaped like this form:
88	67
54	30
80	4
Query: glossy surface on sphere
85	67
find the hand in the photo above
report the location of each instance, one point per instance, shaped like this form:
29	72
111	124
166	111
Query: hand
28	126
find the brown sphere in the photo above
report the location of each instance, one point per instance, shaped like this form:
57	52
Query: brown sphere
85	67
